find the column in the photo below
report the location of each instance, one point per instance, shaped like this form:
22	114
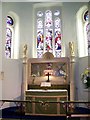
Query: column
24	81
72	70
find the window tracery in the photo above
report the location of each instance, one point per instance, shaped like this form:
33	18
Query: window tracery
49	32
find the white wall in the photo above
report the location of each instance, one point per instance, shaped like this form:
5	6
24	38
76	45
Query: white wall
11	87
82	92
0	51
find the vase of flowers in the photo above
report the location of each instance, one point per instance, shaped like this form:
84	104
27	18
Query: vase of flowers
85	77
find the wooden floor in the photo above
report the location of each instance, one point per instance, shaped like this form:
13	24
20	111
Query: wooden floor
72	118
47	119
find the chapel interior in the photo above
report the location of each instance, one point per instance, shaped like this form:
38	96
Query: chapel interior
44	55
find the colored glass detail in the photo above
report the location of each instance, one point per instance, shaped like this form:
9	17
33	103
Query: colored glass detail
48	40
40	40
86	19
49	32
86	16
88	37
39	13
48	19
9	20
39	23
8	44
57	12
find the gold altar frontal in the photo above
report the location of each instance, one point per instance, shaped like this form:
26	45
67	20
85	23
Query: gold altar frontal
45	102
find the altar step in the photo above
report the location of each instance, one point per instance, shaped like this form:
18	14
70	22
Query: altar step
12	113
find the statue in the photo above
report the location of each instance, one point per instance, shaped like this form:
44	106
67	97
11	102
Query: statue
25	50
72	48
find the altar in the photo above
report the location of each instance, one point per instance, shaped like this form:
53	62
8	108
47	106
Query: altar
46	102
47	85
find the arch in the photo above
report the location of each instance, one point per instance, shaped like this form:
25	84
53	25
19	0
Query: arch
82	42
15	35
48	30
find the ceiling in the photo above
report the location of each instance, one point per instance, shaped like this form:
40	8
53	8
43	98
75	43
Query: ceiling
44	0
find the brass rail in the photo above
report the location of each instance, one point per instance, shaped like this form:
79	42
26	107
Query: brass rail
67	105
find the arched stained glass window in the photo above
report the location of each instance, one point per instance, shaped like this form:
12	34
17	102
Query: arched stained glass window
83	31
9	37
49	32
9	20
40	38
86	16
87	30
88	37
57	37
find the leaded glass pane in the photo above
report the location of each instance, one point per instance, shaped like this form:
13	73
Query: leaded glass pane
48	19
40	38
57	40
57	37
88	37
8	43
39	13
58	53
57	23
57	43
39	23
9	20
86	16
48	32
87	24
39	54
48	40
57	12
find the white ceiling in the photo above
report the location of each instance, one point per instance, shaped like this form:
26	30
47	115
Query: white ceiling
44	0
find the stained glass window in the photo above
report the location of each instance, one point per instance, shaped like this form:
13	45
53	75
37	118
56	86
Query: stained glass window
8	45
9	20
57	37
49	32
87	29
86	16
40	37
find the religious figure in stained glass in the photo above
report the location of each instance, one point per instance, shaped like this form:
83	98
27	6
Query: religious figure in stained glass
57	37
48	32
88	37
48	39
40	40
86	19
8	43
57	40
48	18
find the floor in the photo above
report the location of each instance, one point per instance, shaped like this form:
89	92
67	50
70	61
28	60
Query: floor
12	113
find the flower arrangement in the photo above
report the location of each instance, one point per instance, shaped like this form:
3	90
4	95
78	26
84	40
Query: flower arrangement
85	77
